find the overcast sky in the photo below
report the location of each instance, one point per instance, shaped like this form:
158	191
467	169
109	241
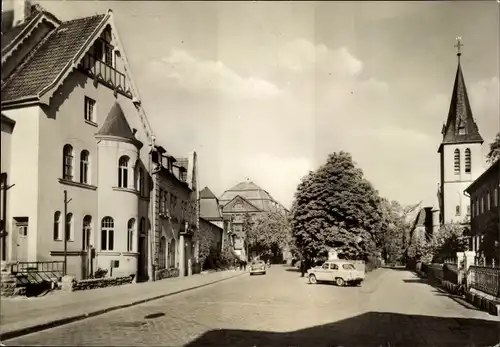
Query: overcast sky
267	90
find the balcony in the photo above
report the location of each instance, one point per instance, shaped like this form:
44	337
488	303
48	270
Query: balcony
105	74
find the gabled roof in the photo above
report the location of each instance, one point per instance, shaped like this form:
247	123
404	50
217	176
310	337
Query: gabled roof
460	115
252	193
116	125
50	58
251	207
206	193
495	167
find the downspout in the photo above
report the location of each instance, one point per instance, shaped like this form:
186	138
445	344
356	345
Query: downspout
152	227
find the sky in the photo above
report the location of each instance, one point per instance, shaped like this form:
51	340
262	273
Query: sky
266	90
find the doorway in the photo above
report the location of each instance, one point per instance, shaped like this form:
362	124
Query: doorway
141	261
21	232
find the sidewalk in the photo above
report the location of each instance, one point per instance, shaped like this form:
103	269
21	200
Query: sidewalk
20	316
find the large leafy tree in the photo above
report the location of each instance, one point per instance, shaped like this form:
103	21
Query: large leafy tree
270	234
494	152
336	207
449	240
393	239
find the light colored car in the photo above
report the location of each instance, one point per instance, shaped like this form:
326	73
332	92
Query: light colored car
341	272
258	267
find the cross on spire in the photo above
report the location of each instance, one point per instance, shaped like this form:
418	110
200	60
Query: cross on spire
458	46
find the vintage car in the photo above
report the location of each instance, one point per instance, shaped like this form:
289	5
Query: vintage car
341	272
258	267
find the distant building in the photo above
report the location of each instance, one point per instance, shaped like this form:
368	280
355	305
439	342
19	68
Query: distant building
246	197
212	220
485	222
175	213
80	128
423	226
461	160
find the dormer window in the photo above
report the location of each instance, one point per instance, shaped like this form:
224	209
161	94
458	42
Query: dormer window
461	130
103	49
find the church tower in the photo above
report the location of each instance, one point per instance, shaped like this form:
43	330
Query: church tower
460	154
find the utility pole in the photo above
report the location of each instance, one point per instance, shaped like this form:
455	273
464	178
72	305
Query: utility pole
66	201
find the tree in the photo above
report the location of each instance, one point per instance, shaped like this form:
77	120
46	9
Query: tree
494	152
393	239
248	225
449	240
336	207
269	234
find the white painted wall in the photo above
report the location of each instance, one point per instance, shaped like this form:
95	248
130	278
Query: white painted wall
454	184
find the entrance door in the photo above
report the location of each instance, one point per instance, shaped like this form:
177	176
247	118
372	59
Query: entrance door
21	230
141	261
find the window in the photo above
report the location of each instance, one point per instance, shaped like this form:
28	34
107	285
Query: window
468	210
84	167
495	197
162	201
488	202
68	162
467	160
68	228
457	161
348	267
89	109
476	204
461	130
171	254
457	210
141	182
107	234
57	226
162	261
86	232
325	266
130	235
22	228
481	201
334	266
123	172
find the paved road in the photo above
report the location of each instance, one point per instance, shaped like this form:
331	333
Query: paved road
393	308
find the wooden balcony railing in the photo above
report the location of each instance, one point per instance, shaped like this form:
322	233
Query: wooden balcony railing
485	279
105	74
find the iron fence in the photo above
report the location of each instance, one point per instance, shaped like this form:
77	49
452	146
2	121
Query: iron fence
38	271
485	279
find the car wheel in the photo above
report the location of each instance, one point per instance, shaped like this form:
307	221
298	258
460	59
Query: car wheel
339	281
312	279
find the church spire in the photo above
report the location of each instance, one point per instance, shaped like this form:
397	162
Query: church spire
460	126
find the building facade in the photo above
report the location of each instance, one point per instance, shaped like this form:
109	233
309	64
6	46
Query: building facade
460	157
79	150
7	130
484	195
175	213
212	220
246	198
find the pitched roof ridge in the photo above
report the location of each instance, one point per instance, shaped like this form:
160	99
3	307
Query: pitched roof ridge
84	18
28	58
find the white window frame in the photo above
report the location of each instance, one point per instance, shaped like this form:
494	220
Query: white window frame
107	229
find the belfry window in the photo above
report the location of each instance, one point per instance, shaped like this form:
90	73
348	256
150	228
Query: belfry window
457	161
467	160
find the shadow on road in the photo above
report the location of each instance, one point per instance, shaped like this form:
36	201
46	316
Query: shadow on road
369	329
293	270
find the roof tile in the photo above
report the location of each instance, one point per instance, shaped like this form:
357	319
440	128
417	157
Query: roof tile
50	58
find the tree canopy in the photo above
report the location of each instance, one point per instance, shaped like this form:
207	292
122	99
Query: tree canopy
494	152
268	233
336	207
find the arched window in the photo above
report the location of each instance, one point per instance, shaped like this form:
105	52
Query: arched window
57	226
68	162
171	254
107	234
457	161
86	232
467	160
123	172
69	227
130	234
84	167
162	261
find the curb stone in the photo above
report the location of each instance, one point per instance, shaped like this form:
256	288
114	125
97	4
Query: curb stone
63	321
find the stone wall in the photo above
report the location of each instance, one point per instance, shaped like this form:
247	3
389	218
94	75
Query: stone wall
166	273
8	285
70	284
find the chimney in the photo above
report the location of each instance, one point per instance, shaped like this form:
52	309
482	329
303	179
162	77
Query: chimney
22	9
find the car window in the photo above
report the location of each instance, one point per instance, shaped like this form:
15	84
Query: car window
325	266
348	267
334	266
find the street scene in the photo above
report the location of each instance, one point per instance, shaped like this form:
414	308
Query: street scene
250	173
393	308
